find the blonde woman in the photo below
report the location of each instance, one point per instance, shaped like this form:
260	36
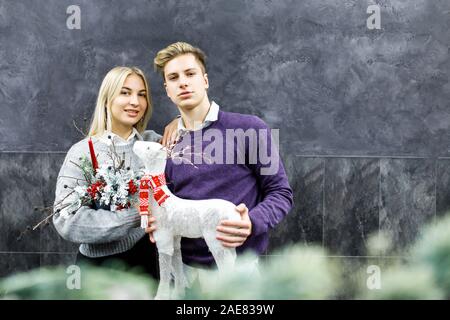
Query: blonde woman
122	112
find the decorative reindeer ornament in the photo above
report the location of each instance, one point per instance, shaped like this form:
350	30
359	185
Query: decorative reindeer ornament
176	218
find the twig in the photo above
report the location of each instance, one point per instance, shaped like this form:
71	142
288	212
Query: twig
48	217
78	129
71	178
88	179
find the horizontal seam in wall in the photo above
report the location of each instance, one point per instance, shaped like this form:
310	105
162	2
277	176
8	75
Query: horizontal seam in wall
367	157
24	252
37	152
372	257
297	155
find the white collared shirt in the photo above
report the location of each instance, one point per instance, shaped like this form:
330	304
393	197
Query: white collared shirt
118	140
211	117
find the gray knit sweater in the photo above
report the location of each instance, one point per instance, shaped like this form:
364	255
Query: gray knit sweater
100	232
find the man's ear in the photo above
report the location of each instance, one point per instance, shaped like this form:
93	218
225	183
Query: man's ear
165	87
205	76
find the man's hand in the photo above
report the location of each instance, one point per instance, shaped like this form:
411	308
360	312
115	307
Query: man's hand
232	233
170	133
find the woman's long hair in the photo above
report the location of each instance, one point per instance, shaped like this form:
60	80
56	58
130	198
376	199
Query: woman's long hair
109	90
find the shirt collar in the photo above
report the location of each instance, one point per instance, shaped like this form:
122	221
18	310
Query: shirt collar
211	116
118	139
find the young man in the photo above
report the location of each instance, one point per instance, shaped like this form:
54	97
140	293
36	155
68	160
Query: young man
264	197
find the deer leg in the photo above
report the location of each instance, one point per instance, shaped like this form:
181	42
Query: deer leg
224	257
163	292
165	251
178	271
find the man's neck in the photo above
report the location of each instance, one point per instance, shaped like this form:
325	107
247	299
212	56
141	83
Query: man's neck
193	118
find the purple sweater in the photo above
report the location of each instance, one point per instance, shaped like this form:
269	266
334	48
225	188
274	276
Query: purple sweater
268	197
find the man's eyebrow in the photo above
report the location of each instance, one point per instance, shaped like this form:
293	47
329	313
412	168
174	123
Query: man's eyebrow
187	70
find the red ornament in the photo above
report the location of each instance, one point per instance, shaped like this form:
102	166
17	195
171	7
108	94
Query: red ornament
132	189
94	188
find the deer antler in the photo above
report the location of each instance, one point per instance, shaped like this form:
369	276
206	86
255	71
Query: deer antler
186	151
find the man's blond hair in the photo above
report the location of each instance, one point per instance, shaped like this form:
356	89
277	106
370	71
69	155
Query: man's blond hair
177	49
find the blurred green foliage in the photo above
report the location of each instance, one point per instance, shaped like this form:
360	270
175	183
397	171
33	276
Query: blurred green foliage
292	273
78	283
295	272
426	272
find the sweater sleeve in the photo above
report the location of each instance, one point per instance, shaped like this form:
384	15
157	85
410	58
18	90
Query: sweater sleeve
277	197
150	135
87	225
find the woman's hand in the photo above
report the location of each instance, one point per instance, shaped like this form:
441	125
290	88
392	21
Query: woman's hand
232	233
149	228
170	133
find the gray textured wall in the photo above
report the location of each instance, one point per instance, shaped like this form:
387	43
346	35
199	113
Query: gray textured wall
364	114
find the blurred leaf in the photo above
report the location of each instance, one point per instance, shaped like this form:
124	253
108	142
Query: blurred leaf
95	283
405	283
433	249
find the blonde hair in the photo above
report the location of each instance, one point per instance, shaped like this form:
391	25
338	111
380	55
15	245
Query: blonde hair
174	50
109	90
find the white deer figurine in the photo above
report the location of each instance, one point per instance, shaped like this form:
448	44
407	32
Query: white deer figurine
176	218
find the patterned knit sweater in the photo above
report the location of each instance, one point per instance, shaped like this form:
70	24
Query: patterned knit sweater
100	232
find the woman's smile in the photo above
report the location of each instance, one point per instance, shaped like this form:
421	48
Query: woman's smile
132	113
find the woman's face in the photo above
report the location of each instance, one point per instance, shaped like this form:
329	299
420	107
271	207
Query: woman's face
130	105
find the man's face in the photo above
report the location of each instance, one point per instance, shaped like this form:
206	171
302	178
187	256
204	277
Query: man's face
185	81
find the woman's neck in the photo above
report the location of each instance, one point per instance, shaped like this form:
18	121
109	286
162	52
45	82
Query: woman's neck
122	131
